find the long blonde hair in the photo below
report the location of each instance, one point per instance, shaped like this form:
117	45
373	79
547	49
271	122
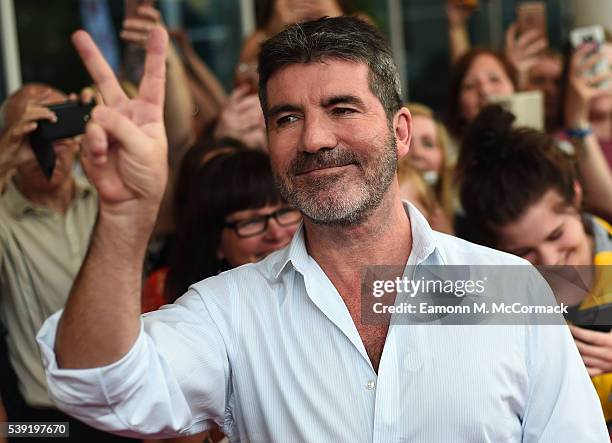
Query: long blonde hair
442	189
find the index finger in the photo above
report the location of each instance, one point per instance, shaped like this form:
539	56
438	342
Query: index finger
98	68
152	85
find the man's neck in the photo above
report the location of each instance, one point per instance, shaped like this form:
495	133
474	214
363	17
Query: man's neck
385	238
57	199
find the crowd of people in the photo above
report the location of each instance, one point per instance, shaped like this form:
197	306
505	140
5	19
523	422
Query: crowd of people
177	182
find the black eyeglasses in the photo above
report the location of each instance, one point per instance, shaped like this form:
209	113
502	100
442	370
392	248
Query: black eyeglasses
256	225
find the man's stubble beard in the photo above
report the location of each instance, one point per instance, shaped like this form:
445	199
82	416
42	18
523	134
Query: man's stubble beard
323	200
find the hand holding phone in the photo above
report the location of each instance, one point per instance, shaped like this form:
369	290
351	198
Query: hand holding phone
593	37
130	7
14	146
71	118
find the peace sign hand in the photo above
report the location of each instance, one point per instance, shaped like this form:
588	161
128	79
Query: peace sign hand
125	148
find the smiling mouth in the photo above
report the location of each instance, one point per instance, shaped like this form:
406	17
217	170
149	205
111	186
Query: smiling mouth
324	169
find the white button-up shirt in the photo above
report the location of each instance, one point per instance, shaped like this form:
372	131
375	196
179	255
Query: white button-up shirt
269	352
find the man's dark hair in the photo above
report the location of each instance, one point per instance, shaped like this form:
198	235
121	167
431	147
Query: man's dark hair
344	38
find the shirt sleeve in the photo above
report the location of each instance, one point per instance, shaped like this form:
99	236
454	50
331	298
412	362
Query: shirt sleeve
563	405
174	380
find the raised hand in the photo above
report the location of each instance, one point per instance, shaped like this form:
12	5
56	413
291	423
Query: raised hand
523	51
138	29
583	85
242	119
125	147
457	13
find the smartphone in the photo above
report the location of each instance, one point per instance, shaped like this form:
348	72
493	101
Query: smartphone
71	120
527	107
596	35
531	15
587	34
130	7
597	318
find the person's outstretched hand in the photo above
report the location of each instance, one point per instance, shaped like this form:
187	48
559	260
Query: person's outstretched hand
125	147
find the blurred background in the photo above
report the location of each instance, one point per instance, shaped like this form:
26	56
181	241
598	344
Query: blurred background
35	42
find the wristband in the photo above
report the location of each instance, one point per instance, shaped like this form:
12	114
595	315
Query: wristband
579	133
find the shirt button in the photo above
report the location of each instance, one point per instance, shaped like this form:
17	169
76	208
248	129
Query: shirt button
370	385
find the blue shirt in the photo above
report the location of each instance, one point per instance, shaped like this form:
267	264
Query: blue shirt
269	352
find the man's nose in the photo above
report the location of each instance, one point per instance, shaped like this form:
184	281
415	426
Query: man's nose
317	134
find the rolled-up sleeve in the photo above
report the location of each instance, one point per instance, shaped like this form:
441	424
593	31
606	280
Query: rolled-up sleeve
174	380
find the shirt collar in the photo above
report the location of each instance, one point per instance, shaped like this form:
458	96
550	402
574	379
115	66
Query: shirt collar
19	205
423	244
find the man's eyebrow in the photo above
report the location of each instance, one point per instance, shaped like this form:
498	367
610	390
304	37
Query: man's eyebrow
279	109
343	99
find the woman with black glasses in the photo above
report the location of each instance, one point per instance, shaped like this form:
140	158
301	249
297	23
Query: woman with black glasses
229	213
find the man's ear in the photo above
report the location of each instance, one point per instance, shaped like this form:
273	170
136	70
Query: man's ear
577	194
402	126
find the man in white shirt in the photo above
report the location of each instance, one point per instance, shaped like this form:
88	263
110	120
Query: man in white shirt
277	351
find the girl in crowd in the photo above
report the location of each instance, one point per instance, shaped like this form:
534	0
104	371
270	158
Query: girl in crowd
231	215
477	75
414	189
521	192
428	154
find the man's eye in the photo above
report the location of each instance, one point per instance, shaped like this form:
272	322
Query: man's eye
285	120
343	111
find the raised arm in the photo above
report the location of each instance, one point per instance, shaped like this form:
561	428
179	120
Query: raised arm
178	107
125	157
458	38
595	175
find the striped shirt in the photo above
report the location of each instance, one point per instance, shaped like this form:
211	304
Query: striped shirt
269	352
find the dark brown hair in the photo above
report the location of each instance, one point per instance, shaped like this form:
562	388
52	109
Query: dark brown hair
220	182
454	120
504	170
343	38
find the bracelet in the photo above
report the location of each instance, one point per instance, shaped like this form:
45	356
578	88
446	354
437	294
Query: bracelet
579	133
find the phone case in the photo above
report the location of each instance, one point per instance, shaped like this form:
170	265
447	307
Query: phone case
591	34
